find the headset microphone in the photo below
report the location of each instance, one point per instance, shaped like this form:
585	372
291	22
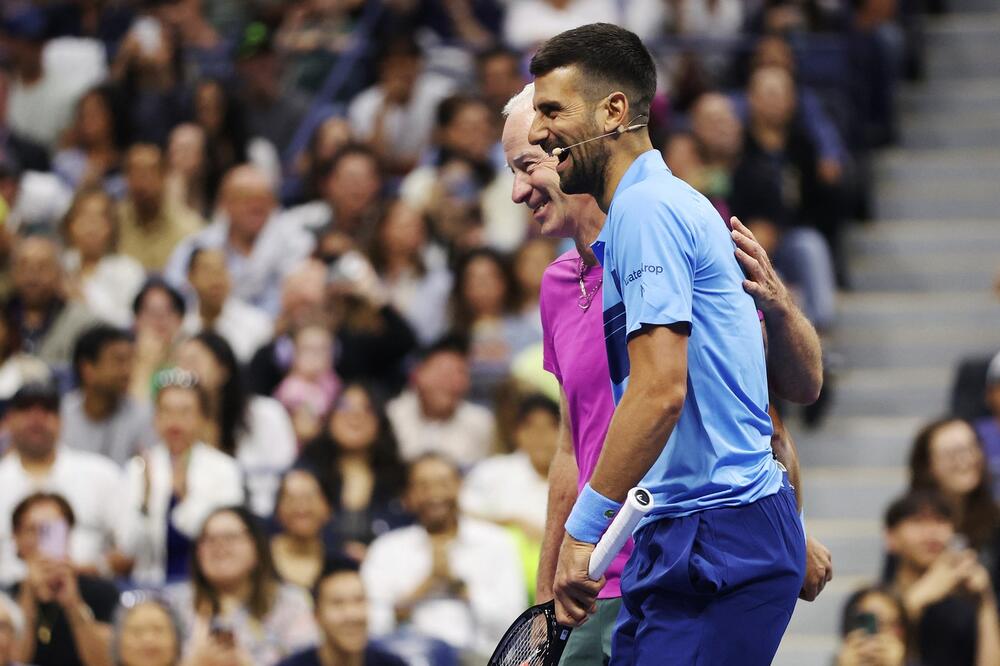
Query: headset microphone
621	129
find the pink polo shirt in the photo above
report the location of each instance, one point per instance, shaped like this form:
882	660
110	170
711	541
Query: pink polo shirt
573	351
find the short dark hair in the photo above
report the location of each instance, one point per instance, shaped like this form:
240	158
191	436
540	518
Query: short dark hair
537	402
152	284
497	52
429	456
452	343
333	566
17	517
326	169
606	54
916	503
92	343
449	108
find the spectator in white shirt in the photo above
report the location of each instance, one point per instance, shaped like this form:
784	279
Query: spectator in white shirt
450	578
100	416
433	415
175	485
38	462
396	115
244	327
530	22
260	249
96	273
49	75
255	430
512	489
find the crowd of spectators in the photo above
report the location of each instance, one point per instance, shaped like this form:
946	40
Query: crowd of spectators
270	363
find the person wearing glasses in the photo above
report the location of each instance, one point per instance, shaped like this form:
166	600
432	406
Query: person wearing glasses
235	610
175	485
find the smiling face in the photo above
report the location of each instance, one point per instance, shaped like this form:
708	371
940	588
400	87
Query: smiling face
956	459
565	114
148	637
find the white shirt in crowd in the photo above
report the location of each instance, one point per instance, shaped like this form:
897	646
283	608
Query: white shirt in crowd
213	481
482	555
467	437
244	327
505	488
91	484
530	22
422	300
257	278
265	451
70	67
408	129
111	288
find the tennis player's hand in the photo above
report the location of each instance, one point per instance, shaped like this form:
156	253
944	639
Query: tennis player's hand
768	291
819	570
575	593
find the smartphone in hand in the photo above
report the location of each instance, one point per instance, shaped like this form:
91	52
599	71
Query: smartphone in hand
53	537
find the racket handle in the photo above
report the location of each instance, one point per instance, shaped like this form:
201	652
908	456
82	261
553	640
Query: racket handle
638	503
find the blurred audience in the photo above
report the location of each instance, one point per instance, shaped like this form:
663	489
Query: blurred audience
67	614
484	307
874	629
434	413
151	224
447	577
46	324
234	602
255	430
512	490
947	593
100	415
341	608
358	464
413	269
396	115
158	310
245	327
40	460
308	390
176	484
11	629
146	633
302	514
988	427
91	151
96	273
947	458
259	249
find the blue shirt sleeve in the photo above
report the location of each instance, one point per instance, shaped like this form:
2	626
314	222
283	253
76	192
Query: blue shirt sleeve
656	257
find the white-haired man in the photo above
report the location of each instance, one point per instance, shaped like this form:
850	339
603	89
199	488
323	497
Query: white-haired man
574	352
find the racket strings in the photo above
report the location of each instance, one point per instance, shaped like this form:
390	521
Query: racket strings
529	646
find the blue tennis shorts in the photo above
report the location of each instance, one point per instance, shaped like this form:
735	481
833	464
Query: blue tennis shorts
714	588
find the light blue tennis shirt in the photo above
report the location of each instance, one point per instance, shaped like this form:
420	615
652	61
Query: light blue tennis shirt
668	258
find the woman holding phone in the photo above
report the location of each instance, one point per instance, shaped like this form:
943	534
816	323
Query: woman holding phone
67	614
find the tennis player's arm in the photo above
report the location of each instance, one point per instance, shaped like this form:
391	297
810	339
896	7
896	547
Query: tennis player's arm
783	448
648	410
563	475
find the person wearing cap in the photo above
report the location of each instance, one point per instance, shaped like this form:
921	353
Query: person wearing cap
39	460
946	591
988	427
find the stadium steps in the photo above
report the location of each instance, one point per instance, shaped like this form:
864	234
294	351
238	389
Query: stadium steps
922	299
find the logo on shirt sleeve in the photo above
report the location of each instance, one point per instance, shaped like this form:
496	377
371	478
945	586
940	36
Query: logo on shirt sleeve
651	269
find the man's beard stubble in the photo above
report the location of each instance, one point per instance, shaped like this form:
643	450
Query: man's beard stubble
586	176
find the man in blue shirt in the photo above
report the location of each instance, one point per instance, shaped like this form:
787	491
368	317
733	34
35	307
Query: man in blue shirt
718	564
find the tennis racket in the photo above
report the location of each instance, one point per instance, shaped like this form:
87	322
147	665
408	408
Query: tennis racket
535	638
